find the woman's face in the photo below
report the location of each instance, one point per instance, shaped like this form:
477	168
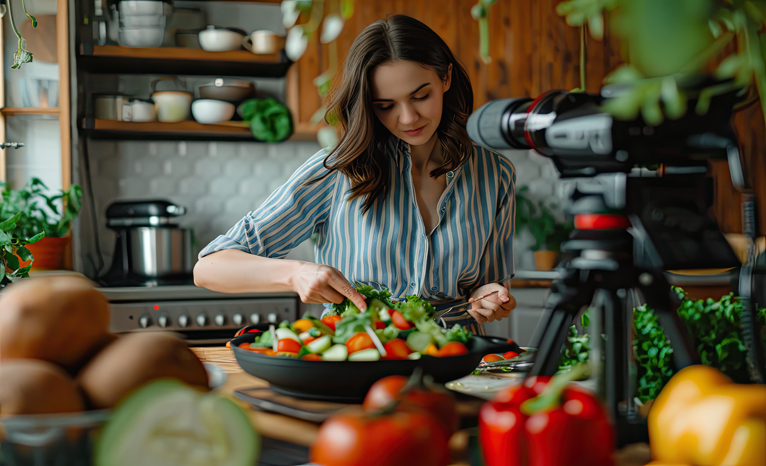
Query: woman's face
408	98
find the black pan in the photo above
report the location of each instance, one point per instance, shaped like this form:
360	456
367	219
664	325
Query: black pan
348	381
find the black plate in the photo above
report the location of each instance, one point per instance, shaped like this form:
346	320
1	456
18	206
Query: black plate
348	381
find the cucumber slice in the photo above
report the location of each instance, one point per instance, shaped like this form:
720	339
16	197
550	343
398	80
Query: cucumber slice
320	344
419	341
370	354
335	353
304	336
171	424
283	333
414	356
377	305
319	325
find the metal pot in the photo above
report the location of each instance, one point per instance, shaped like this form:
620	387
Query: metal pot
159	252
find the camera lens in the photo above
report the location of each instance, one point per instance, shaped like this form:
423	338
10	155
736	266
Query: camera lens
500	124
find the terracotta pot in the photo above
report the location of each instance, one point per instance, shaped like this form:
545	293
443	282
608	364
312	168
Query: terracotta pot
546	260
48	253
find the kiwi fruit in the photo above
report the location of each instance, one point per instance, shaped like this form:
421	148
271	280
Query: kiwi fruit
133	360
62	319
36	387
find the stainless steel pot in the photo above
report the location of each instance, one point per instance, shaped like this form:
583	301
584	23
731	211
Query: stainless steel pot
159	252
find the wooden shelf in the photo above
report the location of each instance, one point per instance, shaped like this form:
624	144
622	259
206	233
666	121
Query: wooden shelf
14	111
271	2
178	60
184	130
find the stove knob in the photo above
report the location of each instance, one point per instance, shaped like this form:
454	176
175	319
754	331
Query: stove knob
255	318
183	321
220	320
163	321
272	317
202	320
237	319
145	321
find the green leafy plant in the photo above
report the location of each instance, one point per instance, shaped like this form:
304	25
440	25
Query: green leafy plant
21	55
12	249
576	348
538	217
37	211
269	120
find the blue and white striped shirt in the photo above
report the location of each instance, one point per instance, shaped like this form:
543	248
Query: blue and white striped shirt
471	245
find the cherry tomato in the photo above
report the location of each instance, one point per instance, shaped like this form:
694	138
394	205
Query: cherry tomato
303	325
453	348
437	403
379	325
391	311
396	349
510	354
399	321
330	321
287	345
312	357
396	439
244	346
492	358
359	342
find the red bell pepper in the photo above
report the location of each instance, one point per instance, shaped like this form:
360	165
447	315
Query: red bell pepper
546	422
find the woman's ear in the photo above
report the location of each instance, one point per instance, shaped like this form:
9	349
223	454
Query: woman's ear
448	78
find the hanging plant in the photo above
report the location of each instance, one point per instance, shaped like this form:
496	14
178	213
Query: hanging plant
480	12
21	55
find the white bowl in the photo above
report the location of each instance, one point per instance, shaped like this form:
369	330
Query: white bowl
142	36
143	21
208	111
220	40
144	8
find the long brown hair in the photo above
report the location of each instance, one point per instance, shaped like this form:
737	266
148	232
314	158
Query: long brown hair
360	153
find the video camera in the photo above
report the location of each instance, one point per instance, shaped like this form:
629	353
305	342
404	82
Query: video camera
641	201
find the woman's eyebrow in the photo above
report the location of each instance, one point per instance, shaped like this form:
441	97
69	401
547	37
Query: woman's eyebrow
411	93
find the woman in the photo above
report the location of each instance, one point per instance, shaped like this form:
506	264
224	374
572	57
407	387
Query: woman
405	201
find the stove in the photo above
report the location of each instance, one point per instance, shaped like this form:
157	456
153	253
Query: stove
202	316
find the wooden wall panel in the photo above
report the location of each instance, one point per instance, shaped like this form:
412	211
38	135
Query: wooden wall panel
533	50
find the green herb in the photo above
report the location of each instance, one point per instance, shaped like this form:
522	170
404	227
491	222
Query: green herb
576	348
351	325
653	354
12	248
458	333
39	211
347	308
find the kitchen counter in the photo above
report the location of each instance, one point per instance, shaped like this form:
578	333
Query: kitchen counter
288	437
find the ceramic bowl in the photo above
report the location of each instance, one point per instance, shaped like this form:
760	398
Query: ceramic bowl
172	106
143	21
208	111
215	39
142	36
227	89
144	8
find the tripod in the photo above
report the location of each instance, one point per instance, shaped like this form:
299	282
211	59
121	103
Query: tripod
625	236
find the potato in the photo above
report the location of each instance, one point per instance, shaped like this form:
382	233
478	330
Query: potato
135	359
61	319
36	387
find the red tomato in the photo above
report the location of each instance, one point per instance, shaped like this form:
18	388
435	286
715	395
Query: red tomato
391	311
359	342
492	358
396	349
399	321
510	354
379	325
453	348
330	321
437	403
396	439
287	345
312	357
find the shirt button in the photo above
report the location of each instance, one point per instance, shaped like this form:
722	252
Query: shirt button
434	288
412	285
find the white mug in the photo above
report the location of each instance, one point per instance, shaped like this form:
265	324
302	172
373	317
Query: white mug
263	42
138	110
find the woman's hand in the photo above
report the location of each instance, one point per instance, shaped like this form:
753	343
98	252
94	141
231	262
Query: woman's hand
319	284
495	307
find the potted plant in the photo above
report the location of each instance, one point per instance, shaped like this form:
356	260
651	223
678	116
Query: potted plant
13	250
548	232
38	213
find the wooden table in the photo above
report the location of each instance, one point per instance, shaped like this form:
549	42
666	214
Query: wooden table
302	433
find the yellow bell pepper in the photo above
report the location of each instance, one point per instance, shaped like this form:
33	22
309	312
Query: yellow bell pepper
702	418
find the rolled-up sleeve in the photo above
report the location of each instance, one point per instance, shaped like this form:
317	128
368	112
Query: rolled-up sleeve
287	218
497	262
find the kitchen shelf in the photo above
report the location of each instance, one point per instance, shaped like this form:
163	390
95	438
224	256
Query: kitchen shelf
15	111
178	60
184	130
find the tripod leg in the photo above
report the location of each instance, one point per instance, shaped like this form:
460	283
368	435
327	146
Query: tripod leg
665	302
560	309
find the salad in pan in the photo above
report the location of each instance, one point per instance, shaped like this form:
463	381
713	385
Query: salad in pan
386	330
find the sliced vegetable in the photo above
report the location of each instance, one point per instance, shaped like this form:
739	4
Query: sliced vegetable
331	321
419	341
320	344
304	335
288	345
510	354
283	333
414	356
320	325
399	321
303	352
311	357
453	348
492	358
274	338
365	355
431	350
336	353
314	332
359	342
396	349
303	325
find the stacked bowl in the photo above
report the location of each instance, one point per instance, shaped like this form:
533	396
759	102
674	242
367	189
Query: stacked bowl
142	22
